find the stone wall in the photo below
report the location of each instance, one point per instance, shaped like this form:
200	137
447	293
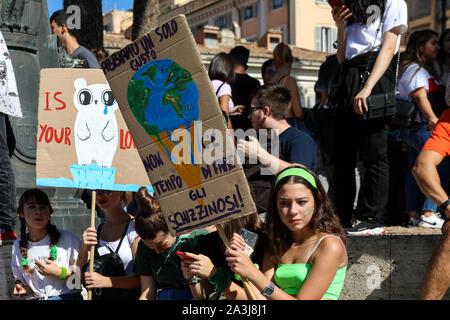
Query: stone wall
388	267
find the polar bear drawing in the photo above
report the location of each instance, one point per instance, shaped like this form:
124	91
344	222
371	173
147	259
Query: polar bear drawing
95	129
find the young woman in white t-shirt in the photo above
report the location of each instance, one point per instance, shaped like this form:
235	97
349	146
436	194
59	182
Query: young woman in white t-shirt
221	73
368	38
44	257
117	219
419	84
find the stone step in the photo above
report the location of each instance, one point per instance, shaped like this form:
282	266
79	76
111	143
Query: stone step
387	267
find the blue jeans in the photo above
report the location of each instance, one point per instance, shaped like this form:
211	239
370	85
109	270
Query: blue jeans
8	212
415	199
69	296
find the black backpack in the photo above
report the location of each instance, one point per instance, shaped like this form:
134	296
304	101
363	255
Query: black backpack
110	265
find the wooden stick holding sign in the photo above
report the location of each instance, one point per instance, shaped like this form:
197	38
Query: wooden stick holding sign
245	282
92	253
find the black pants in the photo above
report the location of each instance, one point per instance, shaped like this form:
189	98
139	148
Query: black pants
367	141
7	183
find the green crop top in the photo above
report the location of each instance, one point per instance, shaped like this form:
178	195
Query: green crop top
290	277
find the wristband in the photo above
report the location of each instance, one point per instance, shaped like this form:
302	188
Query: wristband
24	262
63	274
442	206
194	279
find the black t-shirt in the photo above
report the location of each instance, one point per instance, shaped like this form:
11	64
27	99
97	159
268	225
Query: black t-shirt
241	88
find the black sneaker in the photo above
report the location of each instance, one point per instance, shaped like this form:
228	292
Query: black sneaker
366	228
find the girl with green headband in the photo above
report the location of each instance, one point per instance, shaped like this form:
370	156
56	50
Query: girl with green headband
305	257
44	257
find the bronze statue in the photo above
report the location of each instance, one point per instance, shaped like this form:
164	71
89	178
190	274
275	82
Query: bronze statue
11	12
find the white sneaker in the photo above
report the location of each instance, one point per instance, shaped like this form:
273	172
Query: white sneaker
367	229
413	222
430	222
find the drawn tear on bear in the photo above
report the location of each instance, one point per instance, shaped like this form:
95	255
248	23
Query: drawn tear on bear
95	129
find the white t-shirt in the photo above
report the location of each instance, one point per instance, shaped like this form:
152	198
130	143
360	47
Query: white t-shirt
415	77
361	37
225	90
125	251
42	286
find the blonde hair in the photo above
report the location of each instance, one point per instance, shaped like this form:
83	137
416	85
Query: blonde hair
282	54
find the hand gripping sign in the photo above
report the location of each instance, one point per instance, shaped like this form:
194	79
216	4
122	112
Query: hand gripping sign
82	140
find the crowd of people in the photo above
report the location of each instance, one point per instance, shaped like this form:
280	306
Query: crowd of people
301	226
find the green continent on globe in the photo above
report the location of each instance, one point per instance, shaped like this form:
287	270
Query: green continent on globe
138	98
179	77
151	72
173	98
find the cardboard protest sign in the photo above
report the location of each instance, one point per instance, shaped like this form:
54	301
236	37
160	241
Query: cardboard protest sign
172	112
82	139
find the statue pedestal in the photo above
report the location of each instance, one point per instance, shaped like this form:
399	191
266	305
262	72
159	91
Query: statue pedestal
32	47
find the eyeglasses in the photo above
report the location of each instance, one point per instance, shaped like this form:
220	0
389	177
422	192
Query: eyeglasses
99	191
255	108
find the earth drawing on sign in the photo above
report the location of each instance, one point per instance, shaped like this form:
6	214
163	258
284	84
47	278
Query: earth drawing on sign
163	97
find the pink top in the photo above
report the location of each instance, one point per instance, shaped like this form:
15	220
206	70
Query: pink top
225	90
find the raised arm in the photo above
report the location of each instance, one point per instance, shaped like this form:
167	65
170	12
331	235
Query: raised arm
340	15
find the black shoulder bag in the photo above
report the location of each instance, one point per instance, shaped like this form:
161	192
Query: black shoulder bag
110	265
382	104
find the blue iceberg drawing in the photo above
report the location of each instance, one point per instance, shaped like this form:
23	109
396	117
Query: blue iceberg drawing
90	177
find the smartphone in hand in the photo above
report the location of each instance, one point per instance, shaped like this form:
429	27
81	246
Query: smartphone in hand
182	255
250	239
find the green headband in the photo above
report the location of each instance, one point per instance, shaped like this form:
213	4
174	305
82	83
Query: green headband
299	172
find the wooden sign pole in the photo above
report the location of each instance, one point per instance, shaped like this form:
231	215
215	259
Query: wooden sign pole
245	282
91	260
